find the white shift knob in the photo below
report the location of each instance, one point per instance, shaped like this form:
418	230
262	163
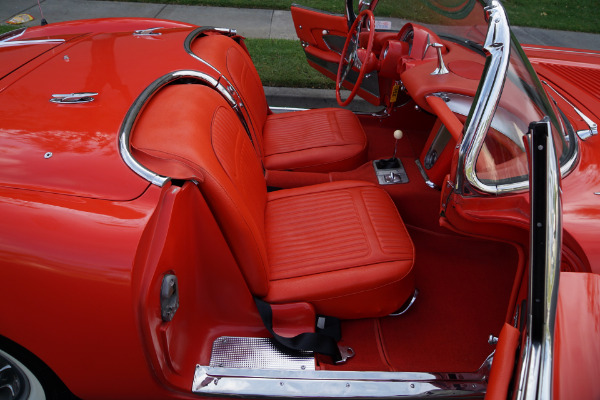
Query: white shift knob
398	134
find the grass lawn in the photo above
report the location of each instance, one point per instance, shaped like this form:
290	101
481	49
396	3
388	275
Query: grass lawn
566	15
7	28
569	15
282	63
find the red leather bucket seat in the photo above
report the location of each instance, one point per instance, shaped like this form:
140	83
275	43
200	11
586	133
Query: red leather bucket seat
340	246
319	140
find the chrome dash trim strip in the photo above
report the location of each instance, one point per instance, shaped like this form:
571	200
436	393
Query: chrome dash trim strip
139	103
334	384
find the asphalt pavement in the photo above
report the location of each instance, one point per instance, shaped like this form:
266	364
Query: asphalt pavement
251	23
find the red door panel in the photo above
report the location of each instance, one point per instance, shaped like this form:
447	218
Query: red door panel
320	30
323	36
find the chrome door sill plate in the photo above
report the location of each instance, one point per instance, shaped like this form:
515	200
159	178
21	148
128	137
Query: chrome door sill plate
256	367
334	384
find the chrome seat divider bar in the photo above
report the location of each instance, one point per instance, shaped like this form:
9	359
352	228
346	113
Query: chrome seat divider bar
336	384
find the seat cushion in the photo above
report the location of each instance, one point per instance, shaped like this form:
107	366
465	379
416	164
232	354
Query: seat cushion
340	246
319	140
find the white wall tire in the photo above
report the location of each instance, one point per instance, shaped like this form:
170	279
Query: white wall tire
36	391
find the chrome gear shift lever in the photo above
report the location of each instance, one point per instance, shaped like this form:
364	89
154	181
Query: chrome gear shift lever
397	135
390	171
391	163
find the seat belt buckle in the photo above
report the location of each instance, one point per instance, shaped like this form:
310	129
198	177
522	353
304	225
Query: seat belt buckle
346	352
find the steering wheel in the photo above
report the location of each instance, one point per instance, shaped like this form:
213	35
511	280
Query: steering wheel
350	55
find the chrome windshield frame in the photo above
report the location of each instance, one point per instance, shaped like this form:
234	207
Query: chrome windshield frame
497	49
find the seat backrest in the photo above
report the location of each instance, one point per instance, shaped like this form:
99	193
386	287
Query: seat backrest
193	125
231	60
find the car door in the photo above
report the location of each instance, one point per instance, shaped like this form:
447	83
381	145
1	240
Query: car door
322	35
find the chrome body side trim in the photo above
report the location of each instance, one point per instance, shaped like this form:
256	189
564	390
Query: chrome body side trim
497	48
334	384
138	104
15	43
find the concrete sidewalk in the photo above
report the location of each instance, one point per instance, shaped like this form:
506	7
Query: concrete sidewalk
252	23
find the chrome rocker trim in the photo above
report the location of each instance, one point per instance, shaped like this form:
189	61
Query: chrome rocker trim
335	384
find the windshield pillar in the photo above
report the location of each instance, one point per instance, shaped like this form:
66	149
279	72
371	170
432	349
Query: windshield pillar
497	49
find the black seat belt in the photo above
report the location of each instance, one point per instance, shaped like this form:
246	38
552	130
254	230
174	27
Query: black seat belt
323	341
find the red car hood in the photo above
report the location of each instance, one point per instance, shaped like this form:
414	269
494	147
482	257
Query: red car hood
574	73
73	148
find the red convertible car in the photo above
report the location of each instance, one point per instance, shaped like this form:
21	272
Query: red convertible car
167	234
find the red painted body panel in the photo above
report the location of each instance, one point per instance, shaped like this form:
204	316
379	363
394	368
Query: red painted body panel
93	239
75	220
581	215
183	238
78	254
577	346
85	162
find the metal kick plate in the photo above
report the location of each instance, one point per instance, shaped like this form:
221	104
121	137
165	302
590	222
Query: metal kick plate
257	353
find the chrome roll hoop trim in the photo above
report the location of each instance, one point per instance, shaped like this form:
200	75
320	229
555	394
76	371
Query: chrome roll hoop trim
138	104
